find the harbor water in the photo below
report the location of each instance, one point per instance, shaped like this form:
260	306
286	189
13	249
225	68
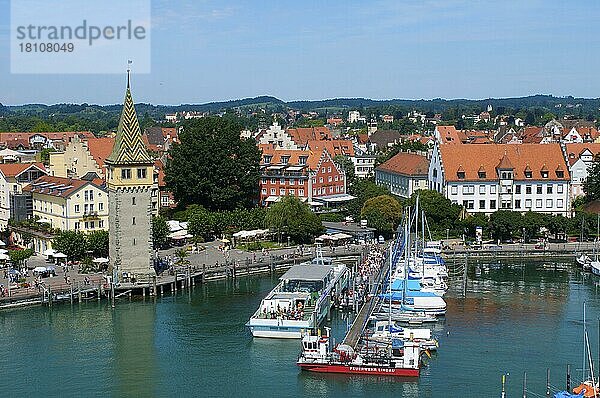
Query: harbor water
515	318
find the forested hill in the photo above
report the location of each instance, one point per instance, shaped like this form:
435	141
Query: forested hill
433	105
99	118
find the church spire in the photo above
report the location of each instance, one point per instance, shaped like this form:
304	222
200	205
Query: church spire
129	147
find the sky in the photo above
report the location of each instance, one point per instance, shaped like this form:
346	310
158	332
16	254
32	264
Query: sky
204	50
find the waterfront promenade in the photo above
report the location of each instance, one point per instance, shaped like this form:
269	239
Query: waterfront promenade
218	264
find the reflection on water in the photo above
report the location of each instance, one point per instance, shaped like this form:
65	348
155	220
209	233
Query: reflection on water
522	317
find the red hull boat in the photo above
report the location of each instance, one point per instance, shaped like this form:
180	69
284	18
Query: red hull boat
361	370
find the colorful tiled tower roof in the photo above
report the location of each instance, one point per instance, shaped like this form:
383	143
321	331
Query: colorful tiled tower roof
129	147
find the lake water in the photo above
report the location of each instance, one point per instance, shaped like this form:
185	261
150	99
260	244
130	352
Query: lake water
515	318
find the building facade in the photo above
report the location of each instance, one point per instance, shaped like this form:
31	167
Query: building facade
14	202
130	181
70	204
309	175
519	177
579	158
403	174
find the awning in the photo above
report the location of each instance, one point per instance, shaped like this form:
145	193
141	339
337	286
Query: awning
59	255
271	199
313	203
341	235
4	256
100	260
181	234
43	221
337	198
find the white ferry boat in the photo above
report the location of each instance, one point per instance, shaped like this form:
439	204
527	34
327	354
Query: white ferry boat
300	302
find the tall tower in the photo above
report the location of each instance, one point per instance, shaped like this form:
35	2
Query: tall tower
129	180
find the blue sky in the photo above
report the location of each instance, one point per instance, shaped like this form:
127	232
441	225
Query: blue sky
205	50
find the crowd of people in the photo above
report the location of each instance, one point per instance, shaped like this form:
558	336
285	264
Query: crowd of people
289	312
366	270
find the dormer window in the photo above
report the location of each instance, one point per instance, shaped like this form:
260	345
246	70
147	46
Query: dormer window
267	158
285	159
528	174
481	174
544	174
460	175
560	174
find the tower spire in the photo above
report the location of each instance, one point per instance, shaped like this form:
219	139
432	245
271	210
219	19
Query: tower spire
129	147
129	62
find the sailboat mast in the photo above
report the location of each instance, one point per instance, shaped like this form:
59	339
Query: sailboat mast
584	347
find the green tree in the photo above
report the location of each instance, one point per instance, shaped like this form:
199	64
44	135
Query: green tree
213	166
71	243
473	221
18	257
45	155
291	217
382	213
440	212
160	231
531	223
97	243
363	190
591	185
504	224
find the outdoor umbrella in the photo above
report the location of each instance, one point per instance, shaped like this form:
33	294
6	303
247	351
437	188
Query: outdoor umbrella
100	260
39	269
49	252
59	255
3	251
4	256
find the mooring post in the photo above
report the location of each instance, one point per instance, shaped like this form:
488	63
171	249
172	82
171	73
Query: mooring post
154	285
144	293
99	290
203	274
112	294
71	295
189	277
568	377
548	382
49	295
79	292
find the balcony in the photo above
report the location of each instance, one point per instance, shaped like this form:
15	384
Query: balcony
90	215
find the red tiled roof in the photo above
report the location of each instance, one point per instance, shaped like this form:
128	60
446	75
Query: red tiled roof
100	148
450	135
472	158
312	157
532	135
334	147
56	186
405	163
304	134
573	151
14	169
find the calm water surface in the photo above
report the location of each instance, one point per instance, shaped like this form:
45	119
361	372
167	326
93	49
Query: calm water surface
515	318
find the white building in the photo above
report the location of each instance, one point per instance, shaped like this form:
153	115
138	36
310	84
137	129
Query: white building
486	178
277	137
13	178
579	158
354	117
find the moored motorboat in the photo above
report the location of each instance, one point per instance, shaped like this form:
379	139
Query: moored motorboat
402	359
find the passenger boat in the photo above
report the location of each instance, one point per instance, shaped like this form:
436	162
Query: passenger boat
402	359
300	301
